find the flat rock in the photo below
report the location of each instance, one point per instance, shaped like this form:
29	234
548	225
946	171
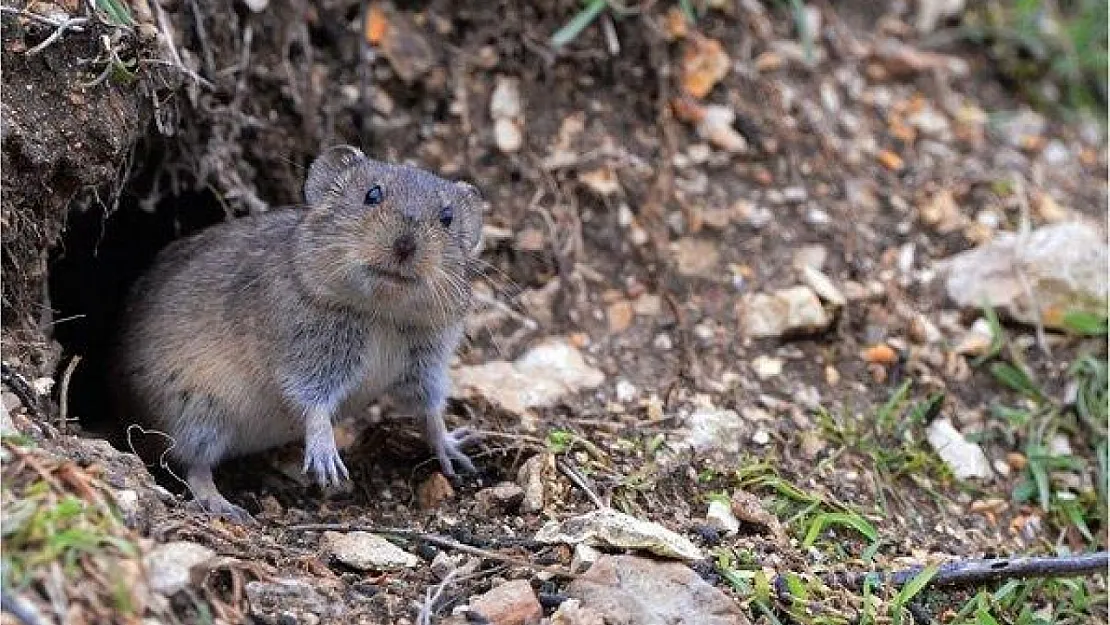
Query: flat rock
822	285
628	590
571	612
966	459
504	497
511	603
300	596
1063	267
610	528
170	566
787	311
583	558
367	552
538	379
695	257
716	429
406	49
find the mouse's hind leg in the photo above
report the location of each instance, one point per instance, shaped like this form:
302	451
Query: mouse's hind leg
202	440
423	390
208	497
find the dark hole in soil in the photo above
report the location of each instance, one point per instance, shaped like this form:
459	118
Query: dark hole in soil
90	271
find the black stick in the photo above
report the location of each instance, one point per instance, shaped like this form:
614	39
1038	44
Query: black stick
972	572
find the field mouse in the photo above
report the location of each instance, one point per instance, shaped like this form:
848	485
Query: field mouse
263	330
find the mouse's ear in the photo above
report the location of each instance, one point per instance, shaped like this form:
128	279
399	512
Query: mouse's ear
475	216
324	176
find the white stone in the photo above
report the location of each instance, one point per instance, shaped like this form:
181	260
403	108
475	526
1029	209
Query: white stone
715	429
811	256
538	379
505	101
1063	265
508	136
367	552
583	558
662	342
796	309
626	391
169	566
966	459
823	286
767	366
610	528
720	517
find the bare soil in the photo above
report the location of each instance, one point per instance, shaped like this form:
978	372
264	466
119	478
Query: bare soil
279	85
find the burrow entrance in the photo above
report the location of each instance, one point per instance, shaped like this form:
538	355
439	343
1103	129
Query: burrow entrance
105	246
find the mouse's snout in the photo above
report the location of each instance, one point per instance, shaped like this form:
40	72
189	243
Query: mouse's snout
404	246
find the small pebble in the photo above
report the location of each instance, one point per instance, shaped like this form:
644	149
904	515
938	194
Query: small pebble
626	391
662	342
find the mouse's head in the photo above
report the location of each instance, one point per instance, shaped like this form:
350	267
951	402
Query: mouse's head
390	239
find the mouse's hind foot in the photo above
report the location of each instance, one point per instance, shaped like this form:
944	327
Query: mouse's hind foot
222	508
448	447
207	499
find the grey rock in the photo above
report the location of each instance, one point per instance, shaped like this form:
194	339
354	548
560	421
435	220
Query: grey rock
628	590
504	497
367	552
1062	266
966	459
530	477
290	596
793	310
610	528
538	379
170	566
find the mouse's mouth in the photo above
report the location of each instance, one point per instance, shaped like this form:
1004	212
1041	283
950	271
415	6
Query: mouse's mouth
391	276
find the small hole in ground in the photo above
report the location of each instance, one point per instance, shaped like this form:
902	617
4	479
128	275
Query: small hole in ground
90	271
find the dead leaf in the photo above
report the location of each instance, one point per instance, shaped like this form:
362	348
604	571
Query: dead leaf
890	160
704	64
675	26
375	25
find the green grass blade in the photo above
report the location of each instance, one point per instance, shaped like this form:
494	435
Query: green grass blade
1016	379
117	12
911	590
578	23
998	336
983	617
1086	323
853	521
885	416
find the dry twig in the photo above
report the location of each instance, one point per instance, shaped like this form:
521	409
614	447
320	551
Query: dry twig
972	572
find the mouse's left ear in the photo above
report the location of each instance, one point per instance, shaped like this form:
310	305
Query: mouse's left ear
325	174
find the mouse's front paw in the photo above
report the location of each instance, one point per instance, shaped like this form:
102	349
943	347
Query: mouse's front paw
449	450
322	459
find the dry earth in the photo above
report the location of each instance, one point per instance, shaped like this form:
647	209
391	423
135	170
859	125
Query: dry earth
627	222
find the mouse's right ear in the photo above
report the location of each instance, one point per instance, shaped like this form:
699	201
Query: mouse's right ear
325	175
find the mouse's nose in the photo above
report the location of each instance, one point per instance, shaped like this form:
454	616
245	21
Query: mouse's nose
404	247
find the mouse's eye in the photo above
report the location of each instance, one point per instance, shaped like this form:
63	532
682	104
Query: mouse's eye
446	216
374	196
